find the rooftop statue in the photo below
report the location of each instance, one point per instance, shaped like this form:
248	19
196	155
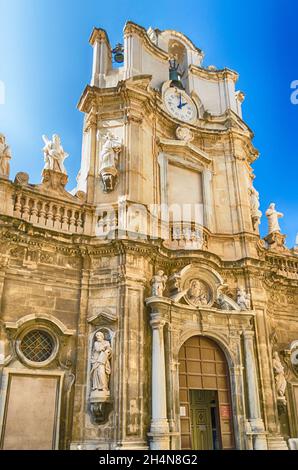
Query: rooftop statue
5	156
54	154
273	216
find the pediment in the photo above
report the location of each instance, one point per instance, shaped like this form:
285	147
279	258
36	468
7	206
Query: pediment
185	149
100	315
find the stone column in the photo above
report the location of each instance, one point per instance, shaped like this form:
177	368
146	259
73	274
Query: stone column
255	419
159	429
91	127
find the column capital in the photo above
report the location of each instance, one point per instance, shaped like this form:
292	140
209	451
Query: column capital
157	321
248	334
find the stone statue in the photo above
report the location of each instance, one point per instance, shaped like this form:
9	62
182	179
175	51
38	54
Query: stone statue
158	283
152	35
279	374
197	293
256	214
108	160
223	303
243	299
5	156
100	362
273	216
54	154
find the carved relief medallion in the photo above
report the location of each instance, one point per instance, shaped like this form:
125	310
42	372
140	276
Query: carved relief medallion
198	293
183	133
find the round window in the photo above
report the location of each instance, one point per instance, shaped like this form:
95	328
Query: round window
37	346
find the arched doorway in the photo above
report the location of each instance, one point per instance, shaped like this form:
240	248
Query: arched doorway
205	397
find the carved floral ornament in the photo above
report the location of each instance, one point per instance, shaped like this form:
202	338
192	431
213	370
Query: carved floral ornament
185	134
200	288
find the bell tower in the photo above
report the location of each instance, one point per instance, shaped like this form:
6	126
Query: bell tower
164	137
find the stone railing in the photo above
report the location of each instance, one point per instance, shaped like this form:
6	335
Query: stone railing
284	266
55	215
111	223
106	223
187	236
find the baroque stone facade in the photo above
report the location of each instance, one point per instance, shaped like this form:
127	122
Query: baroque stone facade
143	309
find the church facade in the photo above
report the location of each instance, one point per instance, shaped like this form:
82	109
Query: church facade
143	310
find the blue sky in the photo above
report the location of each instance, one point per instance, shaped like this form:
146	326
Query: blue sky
45	63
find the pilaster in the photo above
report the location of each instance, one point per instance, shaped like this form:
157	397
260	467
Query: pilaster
255	419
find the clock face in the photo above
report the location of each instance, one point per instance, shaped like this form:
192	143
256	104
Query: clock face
180	105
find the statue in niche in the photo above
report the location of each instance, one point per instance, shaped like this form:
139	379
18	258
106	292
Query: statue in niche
197	294
273	216
256	214
54	154
243	299
158	283
5	156
108	161
279	375
100	364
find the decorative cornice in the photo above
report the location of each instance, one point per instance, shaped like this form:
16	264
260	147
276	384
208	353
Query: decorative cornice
178	147
222	74
99	34
183	38
133	28
36	318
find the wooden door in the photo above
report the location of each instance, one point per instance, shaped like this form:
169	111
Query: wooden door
203	366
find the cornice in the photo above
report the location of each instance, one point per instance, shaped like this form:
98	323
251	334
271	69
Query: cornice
138	88
184	39
178	147
215	75
99	34
273	274
133	28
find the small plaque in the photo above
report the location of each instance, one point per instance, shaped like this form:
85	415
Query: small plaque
225	412
182	411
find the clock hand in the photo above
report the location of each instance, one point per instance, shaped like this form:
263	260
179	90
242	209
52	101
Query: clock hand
183	104
179	105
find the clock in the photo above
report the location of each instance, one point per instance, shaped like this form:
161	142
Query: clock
180	105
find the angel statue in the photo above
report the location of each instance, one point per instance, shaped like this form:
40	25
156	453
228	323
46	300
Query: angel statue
54	154
158	283
243	299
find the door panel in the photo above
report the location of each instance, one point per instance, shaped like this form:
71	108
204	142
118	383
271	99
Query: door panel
31	412
203	367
